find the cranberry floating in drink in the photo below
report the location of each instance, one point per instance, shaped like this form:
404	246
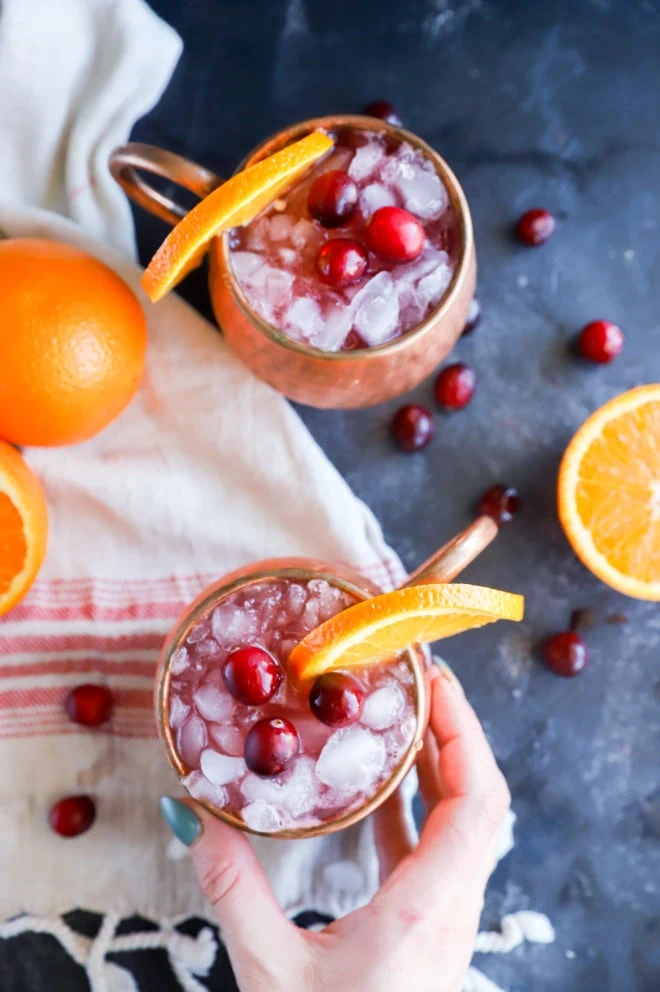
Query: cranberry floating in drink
364	244
252	742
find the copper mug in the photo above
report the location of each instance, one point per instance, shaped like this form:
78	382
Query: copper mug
441	567
335	380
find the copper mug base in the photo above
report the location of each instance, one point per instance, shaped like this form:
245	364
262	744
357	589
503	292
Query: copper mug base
442	567
337	380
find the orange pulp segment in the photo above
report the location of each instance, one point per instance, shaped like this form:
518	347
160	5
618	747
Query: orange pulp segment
376	629
609	493
23	527
236	202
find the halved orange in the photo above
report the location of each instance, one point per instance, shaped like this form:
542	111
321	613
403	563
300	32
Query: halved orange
609	493
376	629
236	202
23	527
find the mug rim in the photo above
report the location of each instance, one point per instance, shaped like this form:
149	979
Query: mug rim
458	201
215	593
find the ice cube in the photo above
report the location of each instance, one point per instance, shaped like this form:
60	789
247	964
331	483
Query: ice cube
301	789
212	703
287	256
295	599
200	788
231	625
352	761
277	288
198	632
257	234
420	188
207	650
411	272
245	263
191	740
366	161
270	608
304	232
338	321
383	707
375	196
178	712
310	615
376	309
228	738
281	227
179	661
304	319
253	787
221	768
431	287
262	817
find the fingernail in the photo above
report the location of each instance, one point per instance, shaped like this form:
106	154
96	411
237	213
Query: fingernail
448	675
181	819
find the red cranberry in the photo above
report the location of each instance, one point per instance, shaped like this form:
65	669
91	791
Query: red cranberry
384	110
252	675
395	235
454	387
336	699
412	427
72	816
332	198
473	316
501	503
600	341
535	227
270	745
342	261
565	654
354	341
89	704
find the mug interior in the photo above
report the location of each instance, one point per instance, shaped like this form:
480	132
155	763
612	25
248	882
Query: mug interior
458	205
210	598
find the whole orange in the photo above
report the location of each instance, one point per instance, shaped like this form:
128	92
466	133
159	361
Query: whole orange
72	343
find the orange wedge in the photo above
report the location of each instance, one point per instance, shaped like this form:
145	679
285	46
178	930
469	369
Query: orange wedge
236	202
23	527
369	632
609	493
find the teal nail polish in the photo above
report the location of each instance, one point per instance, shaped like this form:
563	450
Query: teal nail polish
181	819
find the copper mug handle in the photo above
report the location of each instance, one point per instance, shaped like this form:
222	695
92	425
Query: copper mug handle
124	163
457	554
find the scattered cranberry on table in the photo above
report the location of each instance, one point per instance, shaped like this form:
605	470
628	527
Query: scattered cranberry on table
412	427
565	654
535	227
600	341
252	675
342	261
384	110
455	385
333	198
72	815
395	235
270	745
501	503
473	316
336	699
89	705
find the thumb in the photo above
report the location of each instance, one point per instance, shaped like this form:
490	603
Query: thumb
260	940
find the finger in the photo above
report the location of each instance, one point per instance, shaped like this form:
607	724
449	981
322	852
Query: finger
255	930
454	856
394	834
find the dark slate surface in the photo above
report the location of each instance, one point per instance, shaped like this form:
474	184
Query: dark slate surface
554	104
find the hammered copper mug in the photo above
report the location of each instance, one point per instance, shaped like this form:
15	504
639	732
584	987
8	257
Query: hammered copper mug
337	380
443	566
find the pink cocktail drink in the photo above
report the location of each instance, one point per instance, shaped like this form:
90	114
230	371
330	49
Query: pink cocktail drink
251	742
358	252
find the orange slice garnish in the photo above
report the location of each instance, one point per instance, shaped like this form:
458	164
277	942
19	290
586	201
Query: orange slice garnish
23	527
376	629
609	493
236	202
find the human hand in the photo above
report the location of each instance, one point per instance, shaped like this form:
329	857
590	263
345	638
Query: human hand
418	931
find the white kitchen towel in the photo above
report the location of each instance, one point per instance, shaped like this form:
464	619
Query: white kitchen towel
207	469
